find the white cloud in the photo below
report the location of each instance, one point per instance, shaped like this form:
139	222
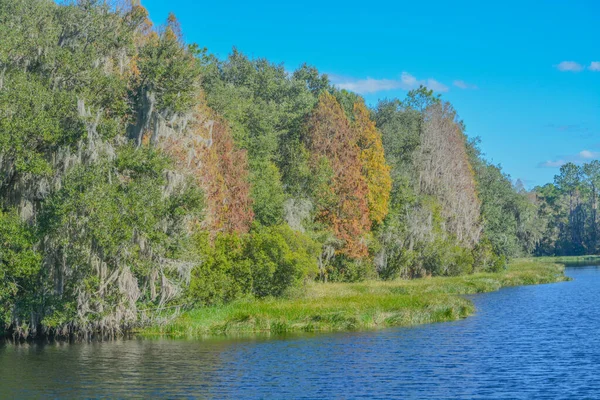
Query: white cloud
553	164
594	66
569	66
370	85
464	85
409	80
587	154
579	158
436	86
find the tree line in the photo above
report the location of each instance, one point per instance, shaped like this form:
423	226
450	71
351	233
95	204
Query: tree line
569	206
140	172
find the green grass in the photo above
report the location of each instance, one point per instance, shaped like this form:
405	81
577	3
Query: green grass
569	259
357	306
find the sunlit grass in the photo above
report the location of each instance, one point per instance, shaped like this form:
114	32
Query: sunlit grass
358	306
569	259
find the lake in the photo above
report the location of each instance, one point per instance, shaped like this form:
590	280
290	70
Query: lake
524	342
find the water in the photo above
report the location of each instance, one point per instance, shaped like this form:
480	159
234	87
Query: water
524	342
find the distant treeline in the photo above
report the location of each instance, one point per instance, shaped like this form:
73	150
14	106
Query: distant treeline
569	209
138	172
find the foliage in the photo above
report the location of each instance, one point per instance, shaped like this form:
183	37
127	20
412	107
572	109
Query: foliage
165	80
433	221
485	259
280	259
446	173
266	108
224	173
108	219
268	261
267	193
20	265
375	169
569	208
222	275
332	142
112	223
510	225
139	173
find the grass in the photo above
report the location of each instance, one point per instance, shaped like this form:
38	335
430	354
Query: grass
357	306
569	259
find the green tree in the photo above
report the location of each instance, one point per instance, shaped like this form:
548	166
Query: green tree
20	266
569	182
592	180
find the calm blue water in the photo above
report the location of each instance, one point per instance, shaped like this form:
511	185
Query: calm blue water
525	342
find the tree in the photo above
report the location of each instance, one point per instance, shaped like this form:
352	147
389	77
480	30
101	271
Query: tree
166	81
569	182
226	182
267	193
511	222
445	172
314	81
374	168
333	144
592	179
20	265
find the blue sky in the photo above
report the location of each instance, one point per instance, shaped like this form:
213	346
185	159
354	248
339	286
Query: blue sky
524	75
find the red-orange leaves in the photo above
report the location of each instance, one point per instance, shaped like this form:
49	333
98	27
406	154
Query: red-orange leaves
206	150
336	156
225	175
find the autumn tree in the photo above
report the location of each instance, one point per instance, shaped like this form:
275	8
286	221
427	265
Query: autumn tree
343	205
228	190
206	150
374	167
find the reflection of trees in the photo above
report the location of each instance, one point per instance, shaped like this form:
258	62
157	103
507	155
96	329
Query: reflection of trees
139	368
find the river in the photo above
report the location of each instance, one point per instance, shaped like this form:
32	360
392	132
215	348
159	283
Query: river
524	342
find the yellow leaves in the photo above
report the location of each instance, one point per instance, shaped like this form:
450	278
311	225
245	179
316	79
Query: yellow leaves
374	168
361	179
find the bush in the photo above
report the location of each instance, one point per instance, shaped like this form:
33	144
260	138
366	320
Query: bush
345	269
266	262
222	275
281	259
399	263
485	259
444	257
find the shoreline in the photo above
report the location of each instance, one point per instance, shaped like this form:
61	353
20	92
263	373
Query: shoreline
363	306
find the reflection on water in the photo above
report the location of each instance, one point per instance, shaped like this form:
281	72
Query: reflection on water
524	342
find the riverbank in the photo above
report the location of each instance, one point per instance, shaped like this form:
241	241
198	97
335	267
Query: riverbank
591	259
357	306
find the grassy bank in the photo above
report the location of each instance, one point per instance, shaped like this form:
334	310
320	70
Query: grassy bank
592	259
358	306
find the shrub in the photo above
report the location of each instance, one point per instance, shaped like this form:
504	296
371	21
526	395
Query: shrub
486	259
444	257
346	269
266	262
222	275
281	259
